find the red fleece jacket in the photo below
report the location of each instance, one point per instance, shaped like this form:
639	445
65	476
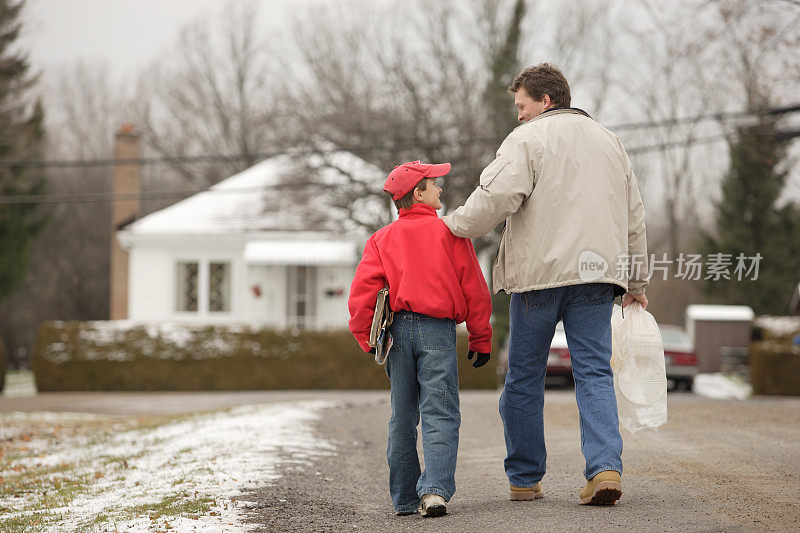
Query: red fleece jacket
428	270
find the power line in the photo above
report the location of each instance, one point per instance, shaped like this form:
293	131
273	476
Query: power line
775	111
676	144
106	197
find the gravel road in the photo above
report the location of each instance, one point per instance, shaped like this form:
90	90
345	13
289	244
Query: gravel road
715	466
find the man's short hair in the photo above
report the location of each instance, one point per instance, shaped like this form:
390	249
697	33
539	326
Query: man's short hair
543	79
408	200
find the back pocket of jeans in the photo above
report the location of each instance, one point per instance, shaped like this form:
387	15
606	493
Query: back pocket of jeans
541	298
437	334
599	293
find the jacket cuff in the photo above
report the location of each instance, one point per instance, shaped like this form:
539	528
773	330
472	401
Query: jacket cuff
481	346
363	344
636	291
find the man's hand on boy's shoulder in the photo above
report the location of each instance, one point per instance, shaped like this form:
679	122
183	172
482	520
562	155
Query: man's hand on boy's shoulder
480	360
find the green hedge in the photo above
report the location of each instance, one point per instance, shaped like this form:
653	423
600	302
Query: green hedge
108	356
775	368
3	364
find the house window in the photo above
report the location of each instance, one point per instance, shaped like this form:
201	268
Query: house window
301	296
219	287
187	286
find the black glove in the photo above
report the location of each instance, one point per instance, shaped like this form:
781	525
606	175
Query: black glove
480	360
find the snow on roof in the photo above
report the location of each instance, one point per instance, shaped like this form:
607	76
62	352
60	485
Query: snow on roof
779	325
246	202
719	312
301	252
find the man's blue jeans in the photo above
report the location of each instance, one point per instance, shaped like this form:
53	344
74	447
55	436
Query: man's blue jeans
424	377
586	312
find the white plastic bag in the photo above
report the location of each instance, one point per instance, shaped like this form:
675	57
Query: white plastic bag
640	375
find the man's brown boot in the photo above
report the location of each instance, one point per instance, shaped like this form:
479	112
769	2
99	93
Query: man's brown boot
603	489
520	494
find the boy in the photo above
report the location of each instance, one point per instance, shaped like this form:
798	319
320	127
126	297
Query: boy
434	282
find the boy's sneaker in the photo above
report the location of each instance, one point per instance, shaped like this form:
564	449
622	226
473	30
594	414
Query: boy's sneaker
432	505
405	513
523	494
603	489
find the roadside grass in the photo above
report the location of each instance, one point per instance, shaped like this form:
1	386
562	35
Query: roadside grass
75	472
173	506
22	524
34	497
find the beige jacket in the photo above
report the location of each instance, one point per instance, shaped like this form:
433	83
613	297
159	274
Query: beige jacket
573	212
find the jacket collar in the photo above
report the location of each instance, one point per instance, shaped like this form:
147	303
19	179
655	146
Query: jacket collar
417	209
558	111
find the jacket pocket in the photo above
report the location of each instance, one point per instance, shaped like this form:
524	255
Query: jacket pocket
490	173
500	243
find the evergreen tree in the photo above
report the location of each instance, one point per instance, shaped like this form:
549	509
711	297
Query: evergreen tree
504	66
502	118
749	222
21	138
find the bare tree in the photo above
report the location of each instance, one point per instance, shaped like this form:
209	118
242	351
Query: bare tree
582	39
397	88
759	50
68	277
214	93
712	57
408	81
672	42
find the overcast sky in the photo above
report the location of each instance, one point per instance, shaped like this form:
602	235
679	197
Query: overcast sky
125	34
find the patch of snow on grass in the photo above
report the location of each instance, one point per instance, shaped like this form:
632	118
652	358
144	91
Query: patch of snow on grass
209	458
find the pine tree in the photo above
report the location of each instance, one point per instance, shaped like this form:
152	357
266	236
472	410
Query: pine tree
21	139
504	66
749	222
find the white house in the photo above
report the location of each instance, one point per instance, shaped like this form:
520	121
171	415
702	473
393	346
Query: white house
255	248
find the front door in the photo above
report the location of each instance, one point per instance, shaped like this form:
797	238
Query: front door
302	284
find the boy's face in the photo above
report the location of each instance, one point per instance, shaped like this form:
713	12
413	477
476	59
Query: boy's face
430	196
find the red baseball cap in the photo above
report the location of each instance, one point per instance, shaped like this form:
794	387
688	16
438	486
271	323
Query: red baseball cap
405	177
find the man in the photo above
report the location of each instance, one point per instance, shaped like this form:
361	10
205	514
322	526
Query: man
574	239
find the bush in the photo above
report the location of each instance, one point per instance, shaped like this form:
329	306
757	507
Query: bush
119	356
775	368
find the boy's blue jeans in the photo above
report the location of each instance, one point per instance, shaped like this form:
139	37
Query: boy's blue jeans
586	312
424	377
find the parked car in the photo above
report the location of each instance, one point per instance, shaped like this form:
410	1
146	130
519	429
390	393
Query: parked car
679	356
559	365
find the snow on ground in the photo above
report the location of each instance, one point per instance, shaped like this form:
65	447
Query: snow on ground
181	476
